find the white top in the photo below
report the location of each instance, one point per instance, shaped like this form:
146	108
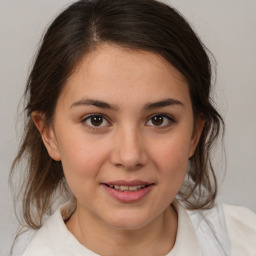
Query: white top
223	230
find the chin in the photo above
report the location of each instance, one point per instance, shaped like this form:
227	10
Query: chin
128	220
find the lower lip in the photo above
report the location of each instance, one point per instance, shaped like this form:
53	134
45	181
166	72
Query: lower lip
128	197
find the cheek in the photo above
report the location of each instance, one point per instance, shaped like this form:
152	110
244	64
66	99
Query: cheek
81	165
171	159
81	159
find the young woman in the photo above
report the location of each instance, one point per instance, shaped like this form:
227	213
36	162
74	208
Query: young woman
120	124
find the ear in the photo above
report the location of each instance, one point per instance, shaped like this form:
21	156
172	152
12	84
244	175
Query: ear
198	129
47	134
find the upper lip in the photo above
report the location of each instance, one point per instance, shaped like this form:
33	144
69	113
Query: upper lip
128	183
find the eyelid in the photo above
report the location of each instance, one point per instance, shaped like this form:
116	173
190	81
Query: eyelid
85	118
170	118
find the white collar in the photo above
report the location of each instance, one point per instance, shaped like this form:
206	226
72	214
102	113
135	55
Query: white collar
54	239
186	240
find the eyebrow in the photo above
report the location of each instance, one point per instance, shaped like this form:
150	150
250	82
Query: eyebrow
96	103
105	105
163	103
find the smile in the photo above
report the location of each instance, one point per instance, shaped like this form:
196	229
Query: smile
127	188
128	192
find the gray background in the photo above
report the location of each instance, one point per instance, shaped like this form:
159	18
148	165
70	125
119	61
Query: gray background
227	27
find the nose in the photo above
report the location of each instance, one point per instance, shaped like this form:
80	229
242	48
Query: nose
129	149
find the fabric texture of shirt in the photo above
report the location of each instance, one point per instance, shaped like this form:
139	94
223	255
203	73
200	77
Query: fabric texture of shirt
223	230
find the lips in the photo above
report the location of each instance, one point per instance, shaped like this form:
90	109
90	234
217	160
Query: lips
128	191
128	183
124	188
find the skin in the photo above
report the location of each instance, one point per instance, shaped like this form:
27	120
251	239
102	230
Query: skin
127	145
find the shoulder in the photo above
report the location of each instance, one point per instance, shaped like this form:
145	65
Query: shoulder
241	226
54	239
210	228
43	241
232	229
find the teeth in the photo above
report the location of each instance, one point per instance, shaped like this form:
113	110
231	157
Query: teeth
123	188
127	188
133	188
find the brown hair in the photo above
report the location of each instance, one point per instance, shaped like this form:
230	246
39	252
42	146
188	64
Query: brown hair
137	24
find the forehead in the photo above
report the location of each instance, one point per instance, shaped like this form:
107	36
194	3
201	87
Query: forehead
116	73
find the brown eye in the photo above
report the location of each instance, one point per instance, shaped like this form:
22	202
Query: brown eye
157	120
162	120
96	121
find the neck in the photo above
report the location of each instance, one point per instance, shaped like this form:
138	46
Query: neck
155	238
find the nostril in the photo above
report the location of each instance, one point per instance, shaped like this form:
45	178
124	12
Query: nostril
128	152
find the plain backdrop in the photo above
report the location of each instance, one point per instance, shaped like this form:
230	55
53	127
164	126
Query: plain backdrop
228	29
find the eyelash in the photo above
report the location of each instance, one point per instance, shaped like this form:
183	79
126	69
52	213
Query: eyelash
169	118
94	127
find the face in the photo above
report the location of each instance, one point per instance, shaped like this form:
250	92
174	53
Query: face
124	130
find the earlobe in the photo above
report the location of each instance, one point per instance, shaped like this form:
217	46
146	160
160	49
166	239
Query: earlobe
198	129
47	135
